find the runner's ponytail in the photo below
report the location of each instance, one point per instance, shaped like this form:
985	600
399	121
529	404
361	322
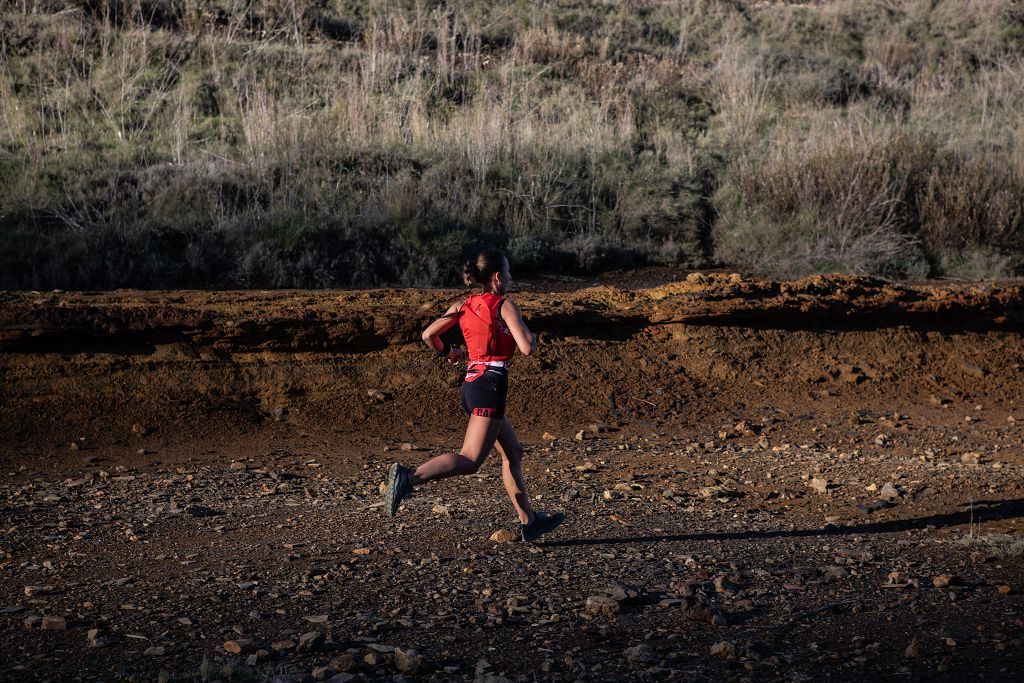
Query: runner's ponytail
471	273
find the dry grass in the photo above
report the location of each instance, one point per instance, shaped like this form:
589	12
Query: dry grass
276	143
1003	545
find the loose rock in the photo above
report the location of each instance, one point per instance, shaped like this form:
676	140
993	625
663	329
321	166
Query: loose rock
602	605
408	661
54	623
723	650
641	654
504	536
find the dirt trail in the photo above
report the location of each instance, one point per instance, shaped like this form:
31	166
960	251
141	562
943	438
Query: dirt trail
808	461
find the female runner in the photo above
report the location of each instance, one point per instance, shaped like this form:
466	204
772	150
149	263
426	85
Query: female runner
493	329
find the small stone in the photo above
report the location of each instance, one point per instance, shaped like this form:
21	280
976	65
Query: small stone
240	646
1004	589
898	579
888	492
441	510
913	650
583	435
548	437
154	651
283	646
361	551
504	536
311	641
408	661
378	395
942	580
724	585
723	649
54	623
627	593
316	618
343	662
641	654
602	605
322	673
819	485
33	591
975	370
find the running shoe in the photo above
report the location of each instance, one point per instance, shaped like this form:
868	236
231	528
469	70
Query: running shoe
541	524
399	488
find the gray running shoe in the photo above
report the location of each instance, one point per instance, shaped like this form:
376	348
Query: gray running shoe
541	524
399	488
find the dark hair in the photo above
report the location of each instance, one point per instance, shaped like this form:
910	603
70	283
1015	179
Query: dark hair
479	271
475	272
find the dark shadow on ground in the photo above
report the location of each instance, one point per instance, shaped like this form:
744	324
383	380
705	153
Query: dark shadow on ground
979	511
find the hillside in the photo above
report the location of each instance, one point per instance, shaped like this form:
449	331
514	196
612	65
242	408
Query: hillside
228	144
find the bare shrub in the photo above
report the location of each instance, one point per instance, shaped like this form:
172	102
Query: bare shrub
840	200
971	200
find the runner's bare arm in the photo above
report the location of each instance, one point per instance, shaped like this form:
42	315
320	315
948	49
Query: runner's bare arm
525	340
432	335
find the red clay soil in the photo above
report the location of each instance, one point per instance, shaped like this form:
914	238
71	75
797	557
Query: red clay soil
807	460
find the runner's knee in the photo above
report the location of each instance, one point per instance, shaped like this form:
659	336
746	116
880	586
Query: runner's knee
472	464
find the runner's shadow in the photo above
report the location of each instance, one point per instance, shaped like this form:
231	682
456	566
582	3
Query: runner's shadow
974	513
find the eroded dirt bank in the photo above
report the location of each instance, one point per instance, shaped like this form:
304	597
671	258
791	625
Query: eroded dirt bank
808	461
686	353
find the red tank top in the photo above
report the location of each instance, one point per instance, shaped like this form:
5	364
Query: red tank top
488	338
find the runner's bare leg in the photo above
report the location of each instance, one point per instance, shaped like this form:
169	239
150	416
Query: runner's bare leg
512	470
481	434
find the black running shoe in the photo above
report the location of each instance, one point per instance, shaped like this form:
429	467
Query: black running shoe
399	488
541	524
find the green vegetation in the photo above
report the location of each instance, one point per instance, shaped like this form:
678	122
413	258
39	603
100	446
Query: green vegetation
277	143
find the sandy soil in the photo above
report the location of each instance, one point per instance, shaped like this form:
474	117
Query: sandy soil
763	480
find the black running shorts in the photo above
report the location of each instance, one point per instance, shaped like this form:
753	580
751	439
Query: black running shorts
484	391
